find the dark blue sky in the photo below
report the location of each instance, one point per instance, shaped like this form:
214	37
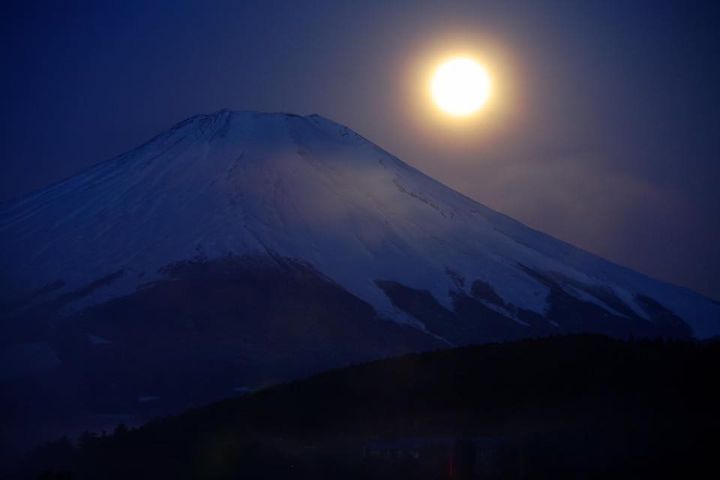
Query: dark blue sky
613	143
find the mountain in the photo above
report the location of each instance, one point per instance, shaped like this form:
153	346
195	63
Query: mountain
239	249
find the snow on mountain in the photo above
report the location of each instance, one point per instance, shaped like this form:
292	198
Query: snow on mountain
245	248
242	183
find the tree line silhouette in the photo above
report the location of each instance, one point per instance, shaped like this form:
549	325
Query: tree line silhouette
582	406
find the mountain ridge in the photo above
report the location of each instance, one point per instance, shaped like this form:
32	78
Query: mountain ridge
262	130
239	249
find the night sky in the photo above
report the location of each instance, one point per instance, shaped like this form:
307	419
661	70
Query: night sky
606	132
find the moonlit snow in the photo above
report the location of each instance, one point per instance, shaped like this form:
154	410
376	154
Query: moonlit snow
236	183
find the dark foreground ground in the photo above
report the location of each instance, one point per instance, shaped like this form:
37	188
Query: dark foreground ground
555	408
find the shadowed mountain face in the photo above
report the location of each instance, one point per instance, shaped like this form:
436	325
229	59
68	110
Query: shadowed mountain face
207	330
239	249
213	329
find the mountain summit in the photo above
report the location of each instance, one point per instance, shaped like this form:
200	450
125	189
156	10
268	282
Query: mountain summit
239	248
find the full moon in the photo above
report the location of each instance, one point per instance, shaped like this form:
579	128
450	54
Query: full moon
460	86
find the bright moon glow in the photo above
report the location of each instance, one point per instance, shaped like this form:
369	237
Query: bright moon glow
460	86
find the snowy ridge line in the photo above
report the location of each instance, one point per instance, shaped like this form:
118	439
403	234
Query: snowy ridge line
307	188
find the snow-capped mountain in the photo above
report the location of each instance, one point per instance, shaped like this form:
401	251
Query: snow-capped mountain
238	248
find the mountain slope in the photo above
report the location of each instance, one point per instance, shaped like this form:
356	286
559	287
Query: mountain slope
305	188
240	248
